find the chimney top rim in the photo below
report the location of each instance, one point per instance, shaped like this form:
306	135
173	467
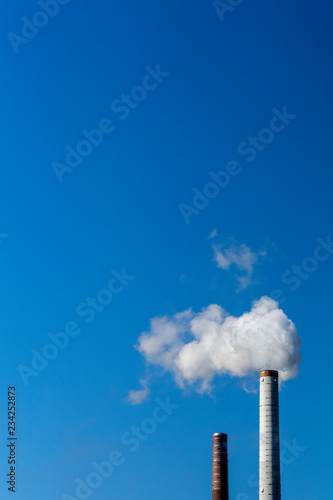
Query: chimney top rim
269	373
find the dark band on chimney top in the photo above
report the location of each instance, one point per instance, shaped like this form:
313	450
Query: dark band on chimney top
269	373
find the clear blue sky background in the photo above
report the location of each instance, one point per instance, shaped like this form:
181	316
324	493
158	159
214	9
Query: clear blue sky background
119	208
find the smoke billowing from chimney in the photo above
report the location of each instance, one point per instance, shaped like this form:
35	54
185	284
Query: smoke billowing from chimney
195	347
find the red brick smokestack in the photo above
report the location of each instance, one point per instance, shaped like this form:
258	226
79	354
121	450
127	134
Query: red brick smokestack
220	467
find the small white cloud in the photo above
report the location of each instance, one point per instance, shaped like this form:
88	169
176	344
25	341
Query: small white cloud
250	389
244	282
239	256
137	397
213	234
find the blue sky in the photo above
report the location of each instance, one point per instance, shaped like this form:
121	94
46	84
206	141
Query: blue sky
200	88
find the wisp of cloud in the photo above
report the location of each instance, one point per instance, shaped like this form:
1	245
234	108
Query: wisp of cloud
239	256
195	347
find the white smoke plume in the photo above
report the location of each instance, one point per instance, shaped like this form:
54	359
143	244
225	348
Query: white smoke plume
195	347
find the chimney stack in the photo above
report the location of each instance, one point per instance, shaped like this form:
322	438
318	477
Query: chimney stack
220	467
269	453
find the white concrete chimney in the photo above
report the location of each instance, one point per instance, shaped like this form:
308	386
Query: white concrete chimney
269	447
